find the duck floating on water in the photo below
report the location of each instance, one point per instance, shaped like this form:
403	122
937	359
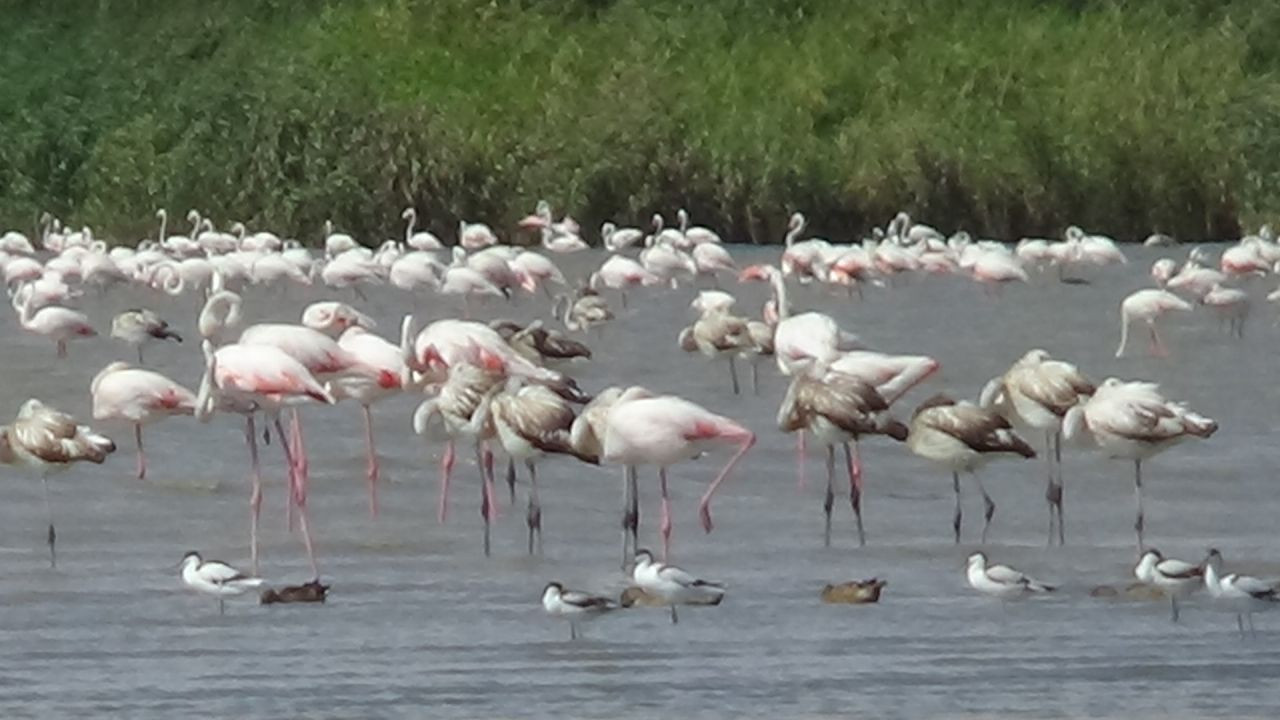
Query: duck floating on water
311	592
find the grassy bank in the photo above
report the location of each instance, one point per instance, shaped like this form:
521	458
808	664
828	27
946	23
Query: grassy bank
1001	117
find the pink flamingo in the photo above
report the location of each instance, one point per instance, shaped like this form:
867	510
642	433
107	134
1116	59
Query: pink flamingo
1148	305
267	378
622	273
645	430
140	397
385	357
54	321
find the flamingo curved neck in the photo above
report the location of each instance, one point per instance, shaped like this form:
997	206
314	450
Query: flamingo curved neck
780	294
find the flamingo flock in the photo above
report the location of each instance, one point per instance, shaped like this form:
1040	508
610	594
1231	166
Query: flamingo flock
506	390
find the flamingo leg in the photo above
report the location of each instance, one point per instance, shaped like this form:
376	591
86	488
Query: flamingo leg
142	454
491	484
371	461
630	514
1059	488
800	448
533	518
704	506
624	299
52	536
755	377
855	487
733	376
955	523
829	499
140	360
665	526
511	479
62	348
1161	349
989	506
446	471
255	494
1049	486
1137	494
298	484
486	499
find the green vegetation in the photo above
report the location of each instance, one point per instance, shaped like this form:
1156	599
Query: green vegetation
1003	117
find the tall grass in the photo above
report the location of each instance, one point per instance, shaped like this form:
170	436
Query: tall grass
1004	118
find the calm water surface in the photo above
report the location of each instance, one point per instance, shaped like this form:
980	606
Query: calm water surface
420	624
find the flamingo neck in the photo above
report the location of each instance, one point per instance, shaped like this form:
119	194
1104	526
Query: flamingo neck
783	308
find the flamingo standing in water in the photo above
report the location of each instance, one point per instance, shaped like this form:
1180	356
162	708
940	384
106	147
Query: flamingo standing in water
265	377
385	357
645	430
53	321
532	421
47	441
140	397
462	404
1133	421
1148	306
1037	392
838	409
963	437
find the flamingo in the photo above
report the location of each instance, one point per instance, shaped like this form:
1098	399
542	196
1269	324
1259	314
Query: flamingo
963	437
385	357
1037	392
1231	304
697	235
474	236
536	270
1133	421
139	325
421	240
538	344
462	404
54	321
264	377
1148	306
140	397
838	409
621	273
588	310
45	440
616	239
530	421
646	430
717	333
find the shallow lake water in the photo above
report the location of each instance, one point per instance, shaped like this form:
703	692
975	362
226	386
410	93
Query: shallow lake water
420	624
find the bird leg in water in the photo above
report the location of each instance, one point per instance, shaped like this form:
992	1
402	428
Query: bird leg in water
829	500
630	514
1048	489
371	461
1158	347
62	348
446	471
140	361
665	525
52	537
989	506
755	377
511	479
955	484
491	485
855	487
733	376
748	439
674	618
800	448
1137	494
142	455
1059	491
255	493
486	496
298	482
533	517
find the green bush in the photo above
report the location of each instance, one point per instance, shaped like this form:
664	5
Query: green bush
1004	118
